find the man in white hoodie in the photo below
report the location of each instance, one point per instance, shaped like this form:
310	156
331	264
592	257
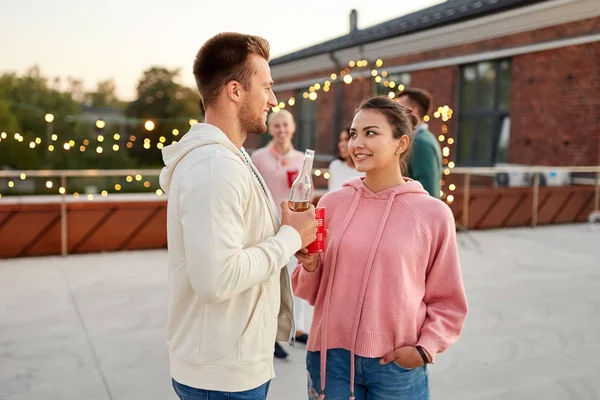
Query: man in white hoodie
229	290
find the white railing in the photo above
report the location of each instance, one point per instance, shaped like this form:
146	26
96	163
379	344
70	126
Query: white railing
466	172
535	171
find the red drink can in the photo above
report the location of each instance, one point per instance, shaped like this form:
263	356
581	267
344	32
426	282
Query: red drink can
291	176
318	246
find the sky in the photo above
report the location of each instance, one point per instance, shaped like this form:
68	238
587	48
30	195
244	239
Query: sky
119	39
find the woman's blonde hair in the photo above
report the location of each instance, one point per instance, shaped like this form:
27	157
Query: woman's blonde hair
280	114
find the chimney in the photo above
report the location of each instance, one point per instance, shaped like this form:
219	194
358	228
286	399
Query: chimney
353	21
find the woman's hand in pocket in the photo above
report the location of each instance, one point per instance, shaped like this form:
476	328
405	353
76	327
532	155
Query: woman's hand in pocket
407	357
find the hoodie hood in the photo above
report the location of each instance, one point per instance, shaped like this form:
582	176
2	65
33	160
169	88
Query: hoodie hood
199	135
410	186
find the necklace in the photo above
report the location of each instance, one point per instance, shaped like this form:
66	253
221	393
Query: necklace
253	172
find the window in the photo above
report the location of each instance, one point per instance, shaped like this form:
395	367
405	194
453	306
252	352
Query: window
484	121
391	83
306	122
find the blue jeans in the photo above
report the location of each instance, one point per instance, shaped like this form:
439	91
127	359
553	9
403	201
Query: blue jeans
372	381
189	393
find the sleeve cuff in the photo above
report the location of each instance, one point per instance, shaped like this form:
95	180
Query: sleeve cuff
431	345
291	239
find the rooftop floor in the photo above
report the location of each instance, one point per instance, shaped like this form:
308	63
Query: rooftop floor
92	326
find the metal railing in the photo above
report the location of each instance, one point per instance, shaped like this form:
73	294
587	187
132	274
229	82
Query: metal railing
468	173
535	171
63	175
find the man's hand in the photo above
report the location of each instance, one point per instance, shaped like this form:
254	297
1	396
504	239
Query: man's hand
407	357
304	222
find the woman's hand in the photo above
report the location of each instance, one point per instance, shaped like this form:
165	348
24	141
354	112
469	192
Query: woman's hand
310	261
407	357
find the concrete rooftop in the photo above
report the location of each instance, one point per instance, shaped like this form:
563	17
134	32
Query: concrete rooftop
92	326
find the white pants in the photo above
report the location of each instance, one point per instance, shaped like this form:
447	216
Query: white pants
299	304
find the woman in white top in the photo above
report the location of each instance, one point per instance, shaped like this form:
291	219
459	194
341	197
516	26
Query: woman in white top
342	168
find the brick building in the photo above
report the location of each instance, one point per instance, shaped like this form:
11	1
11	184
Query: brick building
521	76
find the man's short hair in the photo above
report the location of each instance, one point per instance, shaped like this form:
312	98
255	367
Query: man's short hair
223	58
420	98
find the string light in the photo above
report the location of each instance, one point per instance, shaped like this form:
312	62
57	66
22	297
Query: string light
100	138
159	192
49	184
49	118
149	126
116	136
61	190
100	124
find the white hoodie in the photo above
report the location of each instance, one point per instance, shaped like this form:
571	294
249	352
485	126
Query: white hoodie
229	293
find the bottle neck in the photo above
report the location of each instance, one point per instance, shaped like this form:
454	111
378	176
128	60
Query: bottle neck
307	166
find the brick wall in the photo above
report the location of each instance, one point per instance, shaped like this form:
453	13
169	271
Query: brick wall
555	96
555	107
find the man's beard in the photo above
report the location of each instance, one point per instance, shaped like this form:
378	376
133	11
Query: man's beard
250	123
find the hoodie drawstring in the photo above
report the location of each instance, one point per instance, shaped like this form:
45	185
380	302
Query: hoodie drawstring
325	320
363	290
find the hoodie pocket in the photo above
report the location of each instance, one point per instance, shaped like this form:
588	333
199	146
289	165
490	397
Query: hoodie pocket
258	340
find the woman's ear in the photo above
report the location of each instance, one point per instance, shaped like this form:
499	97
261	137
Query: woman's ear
403	145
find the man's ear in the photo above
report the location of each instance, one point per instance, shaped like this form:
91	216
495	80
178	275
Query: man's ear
234	91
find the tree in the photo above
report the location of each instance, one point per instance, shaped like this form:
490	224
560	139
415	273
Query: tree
14	154
167	104
105	95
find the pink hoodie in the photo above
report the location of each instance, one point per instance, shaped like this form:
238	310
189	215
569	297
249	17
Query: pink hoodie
389	276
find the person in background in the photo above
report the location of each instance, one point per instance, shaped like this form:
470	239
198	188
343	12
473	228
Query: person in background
342	168
388	290
425	164
278	162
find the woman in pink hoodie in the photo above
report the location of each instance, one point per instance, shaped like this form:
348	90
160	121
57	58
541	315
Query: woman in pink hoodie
387	291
